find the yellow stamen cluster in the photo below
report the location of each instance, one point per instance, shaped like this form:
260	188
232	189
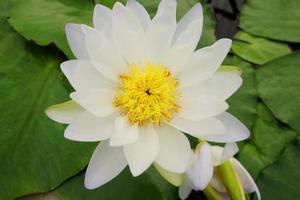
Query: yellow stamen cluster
147	95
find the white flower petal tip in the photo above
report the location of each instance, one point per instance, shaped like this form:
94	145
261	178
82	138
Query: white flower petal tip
197	10
75	34
141	154
235	130
106	163
201	171
83	75
194	14
225	42
230	149
217	153
140	12
188	30
102	19
166	7
235	126
185	39
221	85
118	6
89	128
198	129
175	151
64	112
184	190
222	154
222	47
246	179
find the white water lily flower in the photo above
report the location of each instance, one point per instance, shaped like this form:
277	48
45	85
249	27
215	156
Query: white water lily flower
138	83
200	173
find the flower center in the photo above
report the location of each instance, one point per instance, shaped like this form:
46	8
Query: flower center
147	95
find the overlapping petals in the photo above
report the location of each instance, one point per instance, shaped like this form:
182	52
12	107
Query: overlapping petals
127	35
201	171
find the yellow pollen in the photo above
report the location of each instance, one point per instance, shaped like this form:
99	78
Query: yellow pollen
147	95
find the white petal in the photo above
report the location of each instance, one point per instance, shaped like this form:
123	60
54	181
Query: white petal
102	19
166	13
76	38
140	12
123	132
201	171
195	14
98	102
210	126
104	54
246	179
202	107
161	31
106	163
217	152
64	112
236	131
221	85
141	154
184	190
204	63
182	49
88	127
185	39
175	150
230	149
217	183
83	76
220	155
128	34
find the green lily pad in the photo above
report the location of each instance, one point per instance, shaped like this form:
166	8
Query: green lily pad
278	85
275	19
268	138
149	186
44	21
34	155
4	7
256	49
281	180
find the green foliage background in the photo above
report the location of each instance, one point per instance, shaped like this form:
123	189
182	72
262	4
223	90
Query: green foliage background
34	156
